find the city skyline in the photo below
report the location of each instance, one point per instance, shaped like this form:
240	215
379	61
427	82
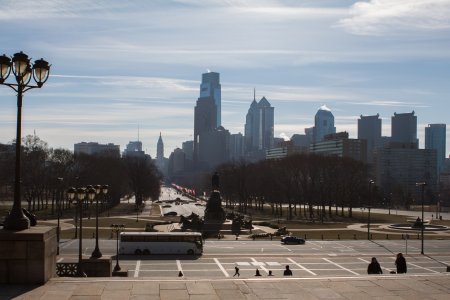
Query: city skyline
117	67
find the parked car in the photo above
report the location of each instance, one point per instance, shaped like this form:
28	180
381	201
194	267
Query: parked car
292	240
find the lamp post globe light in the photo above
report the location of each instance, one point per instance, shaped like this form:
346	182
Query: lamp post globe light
22	71
117	229
77	196
98	189
422	184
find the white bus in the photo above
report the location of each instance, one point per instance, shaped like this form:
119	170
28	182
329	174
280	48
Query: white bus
161	243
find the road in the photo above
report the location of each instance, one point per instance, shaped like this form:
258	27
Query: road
315	258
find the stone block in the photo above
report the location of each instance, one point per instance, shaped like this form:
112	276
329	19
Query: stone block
28	256
97	267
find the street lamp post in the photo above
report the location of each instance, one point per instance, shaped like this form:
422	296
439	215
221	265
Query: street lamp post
98	189
369	207
78	196
58	213
422	184
23	71
117	228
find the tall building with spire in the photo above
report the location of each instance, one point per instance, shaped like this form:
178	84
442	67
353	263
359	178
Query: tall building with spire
259	126
160	148
161	162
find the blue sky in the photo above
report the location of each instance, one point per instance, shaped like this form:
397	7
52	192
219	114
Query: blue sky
119	65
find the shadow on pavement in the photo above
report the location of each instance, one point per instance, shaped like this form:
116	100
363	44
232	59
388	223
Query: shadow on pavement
9	291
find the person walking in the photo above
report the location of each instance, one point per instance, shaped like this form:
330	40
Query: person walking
236	271
374	267
287	272
400	263
257	273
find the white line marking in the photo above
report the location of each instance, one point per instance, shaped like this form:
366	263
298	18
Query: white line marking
138	267
273	263
243	263
259	264
301	267
282	246
338	265
221	268
422	268
65	245
179	266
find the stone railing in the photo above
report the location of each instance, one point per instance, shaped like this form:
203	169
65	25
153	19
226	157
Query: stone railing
66	269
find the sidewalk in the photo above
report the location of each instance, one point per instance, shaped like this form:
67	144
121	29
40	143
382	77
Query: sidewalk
408	287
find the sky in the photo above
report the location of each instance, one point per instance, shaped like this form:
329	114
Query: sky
123	70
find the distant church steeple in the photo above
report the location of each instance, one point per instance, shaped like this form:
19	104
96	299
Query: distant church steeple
160	148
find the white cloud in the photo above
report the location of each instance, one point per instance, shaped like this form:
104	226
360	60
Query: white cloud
386	17
284	136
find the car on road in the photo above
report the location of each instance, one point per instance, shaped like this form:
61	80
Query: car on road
292	240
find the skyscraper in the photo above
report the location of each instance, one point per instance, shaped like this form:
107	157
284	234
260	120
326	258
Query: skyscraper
404	129
435	138
160	148
207	112
188	149
210	87
134	149
323	123
161	162
259	126
204	122
369	129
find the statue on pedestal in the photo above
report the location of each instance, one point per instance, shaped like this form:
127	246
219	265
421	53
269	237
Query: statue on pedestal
214	211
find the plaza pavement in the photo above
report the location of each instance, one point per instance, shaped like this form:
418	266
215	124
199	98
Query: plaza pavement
386	287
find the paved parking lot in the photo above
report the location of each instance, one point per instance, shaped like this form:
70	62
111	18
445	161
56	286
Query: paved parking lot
224	267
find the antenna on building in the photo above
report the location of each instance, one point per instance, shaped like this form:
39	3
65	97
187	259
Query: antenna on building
138	132
254	94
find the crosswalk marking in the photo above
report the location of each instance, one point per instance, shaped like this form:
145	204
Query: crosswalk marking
417	266
338	265
221	268
138	267
179	266
259	264
218	267
301	267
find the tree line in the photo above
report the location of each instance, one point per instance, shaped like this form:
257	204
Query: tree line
310	185
46	174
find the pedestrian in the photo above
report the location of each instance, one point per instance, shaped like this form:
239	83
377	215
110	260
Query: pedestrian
257	273
270	273
400	263
236	271
374	267
287	272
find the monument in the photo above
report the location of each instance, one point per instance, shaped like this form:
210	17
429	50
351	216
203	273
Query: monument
214	219
214	212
